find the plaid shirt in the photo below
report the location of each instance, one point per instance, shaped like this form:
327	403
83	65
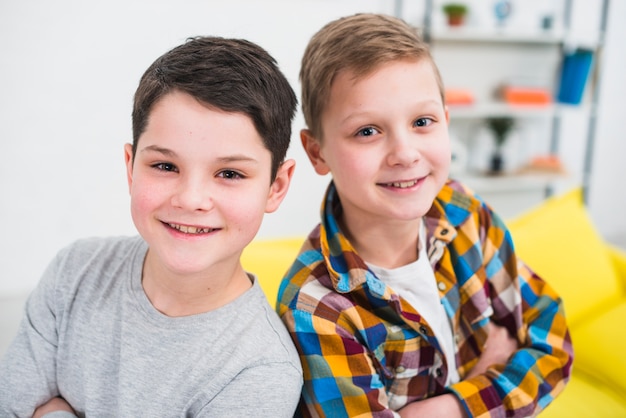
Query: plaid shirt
367	352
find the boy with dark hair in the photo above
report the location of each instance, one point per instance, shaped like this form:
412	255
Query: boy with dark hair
168	323
408	298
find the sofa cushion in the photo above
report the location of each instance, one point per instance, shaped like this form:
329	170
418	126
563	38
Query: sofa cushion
558	241
585	397
600	344
269	260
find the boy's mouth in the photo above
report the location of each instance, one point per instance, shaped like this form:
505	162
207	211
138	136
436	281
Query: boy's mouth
401	184
190	229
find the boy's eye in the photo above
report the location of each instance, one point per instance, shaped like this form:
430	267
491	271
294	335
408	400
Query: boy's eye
230	174
165	167
421	122
368	131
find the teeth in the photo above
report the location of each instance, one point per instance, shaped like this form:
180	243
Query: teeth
190	229
404	184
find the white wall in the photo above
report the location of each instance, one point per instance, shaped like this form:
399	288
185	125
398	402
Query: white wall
69	70
607	199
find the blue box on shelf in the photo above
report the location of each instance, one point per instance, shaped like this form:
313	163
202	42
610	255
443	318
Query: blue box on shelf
574	73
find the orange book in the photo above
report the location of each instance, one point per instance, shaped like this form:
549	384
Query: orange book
526	95
459	97
544	164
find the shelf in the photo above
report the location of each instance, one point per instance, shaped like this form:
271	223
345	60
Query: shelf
483	110
506	35
483	59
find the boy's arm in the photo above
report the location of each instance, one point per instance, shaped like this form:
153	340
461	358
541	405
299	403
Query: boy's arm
499	347
28	368
60	408
339	377
265	391
533	312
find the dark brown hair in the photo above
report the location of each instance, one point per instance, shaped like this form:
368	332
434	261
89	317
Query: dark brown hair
232	75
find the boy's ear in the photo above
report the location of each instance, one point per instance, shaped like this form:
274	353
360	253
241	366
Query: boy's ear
313	151
280	186
128	159
445	108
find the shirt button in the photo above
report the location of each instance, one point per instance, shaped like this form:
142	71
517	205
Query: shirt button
400	369
441	286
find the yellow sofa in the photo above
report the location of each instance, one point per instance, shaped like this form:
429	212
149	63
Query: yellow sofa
559	241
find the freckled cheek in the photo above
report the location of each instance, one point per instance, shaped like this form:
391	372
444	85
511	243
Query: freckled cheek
446	155
242	208
144	200
139	211
444	160
353	165
439	153
440	161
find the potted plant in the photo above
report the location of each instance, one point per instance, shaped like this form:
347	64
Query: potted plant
500	127
455	12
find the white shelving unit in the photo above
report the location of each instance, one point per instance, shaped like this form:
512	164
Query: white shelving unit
487	57
494	58
490	109
463	34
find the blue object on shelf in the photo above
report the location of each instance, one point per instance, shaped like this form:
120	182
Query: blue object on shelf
502	10
574	73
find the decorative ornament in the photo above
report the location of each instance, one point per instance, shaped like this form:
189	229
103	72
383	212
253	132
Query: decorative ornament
503	9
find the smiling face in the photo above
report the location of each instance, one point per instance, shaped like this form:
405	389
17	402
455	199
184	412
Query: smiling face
199	185
385	141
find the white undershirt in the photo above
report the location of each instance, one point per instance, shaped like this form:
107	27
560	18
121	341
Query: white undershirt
416	283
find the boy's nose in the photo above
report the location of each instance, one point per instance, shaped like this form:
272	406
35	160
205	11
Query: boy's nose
192	195
403	149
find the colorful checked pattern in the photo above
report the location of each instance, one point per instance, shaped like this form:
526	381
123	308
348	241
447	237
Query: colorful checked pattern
367	352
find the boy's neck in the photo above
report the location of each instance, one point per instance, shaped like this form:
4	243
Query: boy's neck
177	296
389	245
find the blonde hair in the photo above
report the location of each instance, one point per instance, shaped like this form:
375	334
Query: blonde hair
359	43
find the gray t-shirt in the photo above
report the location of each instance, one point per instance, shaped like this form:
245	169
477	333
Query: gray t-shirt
91	335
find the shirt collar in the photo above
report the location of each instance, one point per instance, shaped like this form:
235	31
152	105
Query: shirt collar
348	271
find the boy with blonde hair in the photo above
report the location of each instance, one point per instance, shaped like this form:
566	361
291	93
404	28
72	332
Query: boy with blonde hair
167	323
408	298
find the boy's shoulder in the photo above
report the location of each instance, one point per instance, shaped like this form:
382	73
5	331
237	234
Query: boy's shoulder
263	334
92	245
457	202
457	193
95	256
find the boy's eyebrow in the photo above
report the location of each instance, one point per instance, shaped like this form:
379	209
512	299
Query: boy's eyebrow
428	102
425	102
435	102
226	159
236	157
155	148
367	112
